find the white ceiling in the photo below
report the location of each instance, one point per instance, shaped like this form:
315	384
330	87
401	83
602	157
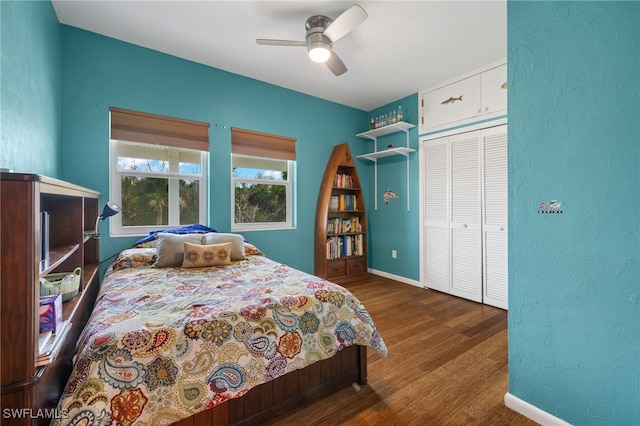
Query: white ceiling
400	49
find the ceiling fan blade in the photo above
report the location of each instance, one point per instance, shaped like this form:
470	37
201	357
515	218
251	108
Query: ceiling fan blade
345	23
335	64
272	42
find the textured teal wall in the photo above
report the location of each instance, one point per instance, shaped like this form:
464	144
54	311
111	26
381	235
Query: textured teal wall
392	226
29	87
574	278
99	72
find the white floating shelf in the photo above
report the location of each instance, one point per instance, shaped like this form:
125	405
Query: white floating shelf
386	130
387	153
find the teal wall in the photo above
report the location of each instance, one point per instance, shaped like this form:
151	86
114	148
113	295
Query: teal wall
574	135
29	88
392	226
99	72
574	278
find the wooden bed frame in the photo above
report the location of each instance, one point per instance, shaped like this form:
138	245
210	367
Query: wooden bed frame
264	401
281	394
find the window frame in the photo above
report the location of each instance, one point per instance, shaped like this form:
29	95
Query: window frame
116	229
290	198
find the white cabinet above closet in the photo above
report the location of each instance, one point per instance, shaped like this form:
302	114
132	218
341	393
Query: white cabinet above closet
479	95
494	91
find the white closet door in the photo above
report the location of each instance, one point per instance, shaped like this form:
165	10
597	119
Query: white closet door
495	213
465	225
436	215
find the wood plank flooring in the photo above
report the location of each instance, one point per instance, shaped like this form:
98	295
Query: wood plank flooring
447	364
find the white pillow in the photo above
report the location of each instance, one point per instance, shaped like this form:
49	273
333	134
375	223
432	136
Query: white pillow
236	240
170	248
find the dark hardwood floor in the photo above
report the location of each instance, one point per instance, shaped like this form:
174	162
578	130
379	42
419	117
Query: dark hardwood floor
447	364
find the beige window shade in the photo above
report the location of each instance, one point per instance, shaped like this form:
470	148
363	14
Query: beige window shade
156	152
247	142
142	127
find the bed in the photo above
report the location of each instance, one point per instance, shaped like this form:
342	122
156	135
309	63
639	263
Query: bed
204	327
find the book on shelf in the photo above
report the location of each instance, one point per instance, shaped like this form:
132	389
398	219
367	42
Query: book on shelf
43	340
334	202
52	345
44	240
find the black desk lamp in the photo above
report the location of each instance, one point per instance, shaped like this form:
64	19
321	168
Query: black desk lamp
110	209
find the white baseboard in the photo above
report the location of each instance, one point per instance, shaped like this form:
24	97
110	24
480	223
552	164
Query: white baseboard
395	277
532	412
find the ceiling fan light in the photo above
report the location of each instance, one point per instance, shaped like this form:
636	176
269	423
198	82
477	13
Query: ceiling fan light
319	52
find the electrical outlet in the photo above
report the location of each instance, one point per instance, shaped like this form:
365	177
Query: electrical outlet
394	254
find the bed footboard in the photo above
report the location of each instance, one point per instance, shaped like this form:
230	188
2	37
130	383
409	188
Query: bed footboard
272	398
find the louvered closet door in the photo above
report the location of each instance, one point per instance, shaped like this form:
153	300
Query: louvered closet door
436	215
465	226
495	213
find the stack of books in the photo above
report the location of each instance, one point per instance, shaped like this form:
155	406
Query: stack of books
343	181
344	245
343	202
49	344
337	225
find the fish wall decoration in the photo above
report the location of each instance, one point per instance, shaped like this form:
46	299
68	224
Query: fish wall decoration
389	194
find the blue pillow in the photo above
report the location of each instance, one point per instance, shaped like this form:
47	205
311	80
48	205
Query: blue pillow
187	229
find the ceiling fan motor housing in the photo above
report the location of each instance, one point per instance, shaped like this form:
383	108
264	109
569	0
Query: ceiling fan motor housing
317	21
315	38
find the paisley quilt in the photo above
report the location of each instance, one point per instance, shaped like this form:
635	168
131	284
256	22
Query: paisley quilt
165	343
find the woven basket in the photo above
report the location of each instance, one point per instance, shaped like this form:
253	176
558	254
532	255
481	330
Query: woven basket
55	284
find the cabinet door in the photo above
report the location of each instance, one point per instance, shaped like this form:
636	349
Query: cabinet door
465	225
495	213
494	90
451	104
436	215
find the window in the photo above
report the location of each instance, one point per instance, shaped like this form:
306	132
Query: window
158	185
263	171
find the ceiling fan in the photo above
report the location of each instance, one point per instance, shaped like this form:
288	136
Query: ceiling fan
321	33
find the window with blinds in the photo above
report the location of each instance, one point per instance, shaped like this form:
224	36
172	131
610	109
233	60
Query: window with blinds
158	172
263	172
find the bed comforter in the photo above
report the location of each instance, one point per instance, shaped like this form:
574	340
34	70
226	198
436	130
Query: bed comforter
165	343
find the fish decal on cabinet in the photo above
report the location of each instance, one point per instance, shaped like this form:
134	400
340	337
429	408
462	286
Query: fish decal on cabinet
451	100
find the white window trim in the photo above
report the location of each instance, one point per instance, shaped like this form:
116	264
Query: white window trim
115	189
266	226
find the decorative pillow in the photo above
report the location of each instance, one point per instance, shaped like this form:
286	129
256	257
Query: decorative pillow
135	258
236	240
170	248
250	249
199	256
